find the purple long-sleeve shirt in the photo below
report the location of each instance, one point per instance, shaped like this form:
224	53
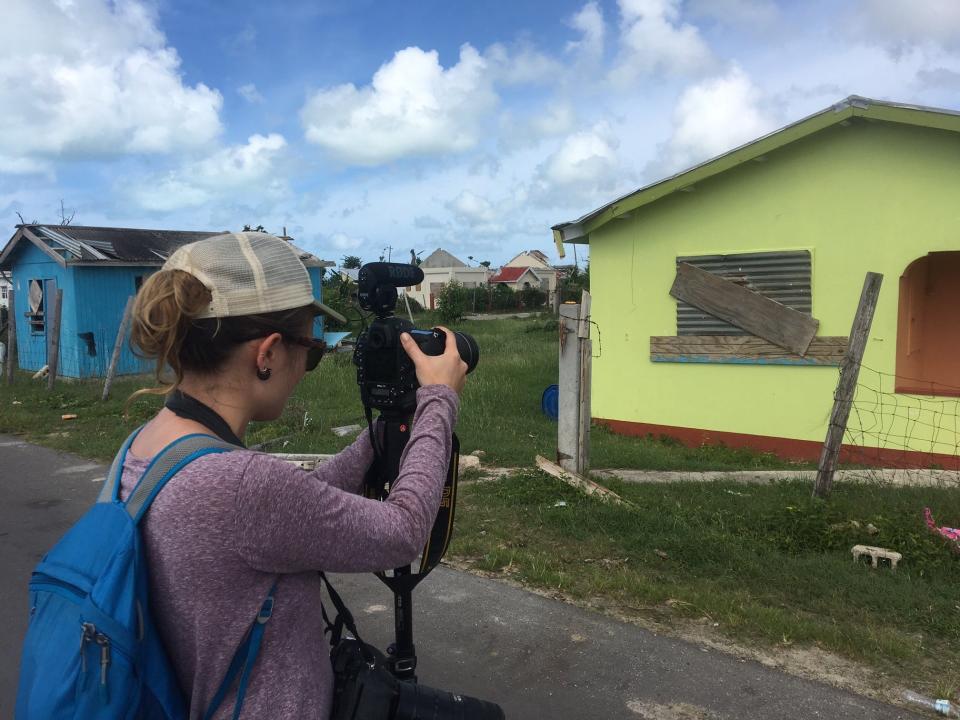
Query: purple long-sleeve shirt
228	526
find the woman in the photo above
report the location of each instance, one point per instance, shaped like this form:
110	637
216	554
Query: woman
230	316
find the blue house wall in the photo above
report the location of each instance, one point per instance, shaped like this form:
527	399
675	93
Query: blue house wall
31	263
102	292
316	274
94	297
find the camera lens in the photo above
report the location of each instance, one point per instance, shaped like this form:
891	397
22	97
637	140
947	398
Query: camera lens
419	702
469	350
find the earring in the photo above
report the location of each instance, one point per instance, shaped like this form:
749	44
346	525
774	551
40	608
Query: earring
263	374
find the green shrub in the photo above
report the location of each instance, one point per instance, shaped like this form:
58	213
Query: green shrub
503	297
532	297
451	302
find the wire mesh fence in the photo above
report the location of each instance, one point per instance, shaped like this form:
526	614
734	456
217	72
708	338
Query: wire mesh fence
900	438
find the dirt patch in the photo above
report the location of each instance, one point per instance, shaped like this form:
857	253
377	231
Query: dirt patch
673	711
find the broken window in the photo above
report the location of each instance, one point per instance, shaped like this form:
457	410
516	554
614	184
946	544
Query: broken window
780	276
35	314
928	326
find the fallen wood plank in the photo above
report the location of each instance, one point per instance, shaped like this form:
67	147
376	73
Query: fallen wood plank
744	308
827	350
579	482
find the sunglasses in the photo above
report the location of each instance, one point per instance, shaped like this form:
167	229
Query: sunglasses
316	348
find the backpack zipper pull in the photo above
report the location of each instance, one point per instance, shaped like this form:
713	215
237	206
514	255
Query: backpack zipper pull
104	642
87	632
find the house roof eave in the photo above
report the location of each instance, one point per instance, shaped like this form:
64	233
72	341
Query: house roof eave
578	231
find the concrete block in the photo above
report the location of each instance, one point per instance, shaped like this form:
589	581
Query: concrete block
876	554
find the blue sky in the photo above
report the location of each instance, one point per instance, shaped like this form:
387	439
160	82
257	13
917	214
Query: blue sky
464	125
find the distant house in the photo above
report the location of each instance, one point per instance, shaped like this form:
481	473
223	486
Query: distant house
518	278
540	263
4	291
798	216
439	268
97	269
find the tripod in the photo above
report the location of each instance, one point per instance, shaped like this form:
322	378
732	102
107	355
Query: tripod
393	429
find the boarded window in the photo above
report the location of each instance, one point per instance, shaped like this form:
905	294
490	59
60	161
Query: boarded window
928	327
780	276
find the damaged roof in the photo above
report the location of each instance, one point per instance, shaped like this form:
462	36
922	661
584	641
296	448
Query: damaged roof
80	245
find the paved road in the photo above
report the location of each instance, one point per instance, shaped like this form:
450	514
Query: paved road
539	658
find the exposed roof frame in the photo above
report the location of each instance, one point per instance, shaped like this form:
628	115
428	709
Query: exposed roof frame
578	231
21	233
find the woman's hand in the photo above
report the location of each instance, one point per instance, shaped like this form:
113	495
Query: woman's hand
447	369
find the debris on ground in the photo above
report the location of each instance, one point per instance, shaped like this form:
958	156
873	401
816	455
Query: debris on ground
345	430
876	554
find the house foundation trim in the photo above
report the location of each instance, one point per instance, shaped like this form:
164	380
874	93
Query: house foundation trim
787	448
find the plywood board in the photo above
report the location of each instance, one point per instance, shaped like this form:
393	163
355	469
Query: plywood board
744	308
743	349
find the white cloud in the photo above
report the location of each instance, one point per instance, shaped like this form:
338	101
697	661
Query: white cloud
550	119
939	77
94	78
712	117
753	14
556	119
250	93
589	21
896	24
520	65
342	241
412	107
472	209
232	173
581	170
654	40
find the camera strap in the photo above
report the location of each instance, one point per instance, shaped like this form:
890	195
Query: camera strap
344	616
442	531
188	407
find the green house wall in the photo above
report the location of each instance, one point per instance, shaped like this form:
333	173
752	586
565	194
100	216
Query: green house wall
866	196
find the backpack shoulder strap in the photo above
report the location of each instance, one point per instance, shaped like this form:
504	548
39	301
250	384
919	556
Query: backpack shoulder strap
110	492
165	465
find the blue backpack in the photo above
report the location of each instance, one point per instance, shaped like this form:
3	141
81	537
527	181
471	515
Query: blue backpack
92	649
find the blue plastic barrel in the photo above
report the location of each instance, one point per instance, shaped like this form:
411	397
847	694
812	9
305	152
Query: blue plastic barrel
550	401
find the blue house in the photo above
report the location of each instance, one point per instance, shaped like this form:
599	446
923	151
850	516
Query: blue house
97	269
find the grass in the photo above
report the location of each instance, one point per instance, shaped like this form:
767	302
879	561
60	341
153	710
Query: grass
500	411
760	563
765	563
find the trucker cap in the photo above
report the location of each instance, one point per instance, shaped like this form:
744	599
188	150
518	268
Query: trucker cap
248	273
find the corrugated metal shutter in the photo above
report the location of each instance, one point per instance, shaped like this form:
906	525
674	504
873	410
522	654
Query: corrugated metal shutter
780	276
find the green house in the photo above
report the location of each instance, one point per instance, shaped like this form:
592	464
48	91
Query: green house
799	216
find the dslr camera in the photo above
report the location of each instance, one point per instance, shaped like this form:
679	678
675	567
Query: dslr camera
385	373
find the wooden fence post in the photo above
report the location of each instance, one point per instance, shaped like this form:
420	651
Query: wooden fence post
568	419
586	368
118	346
11	360
847	384
573	422
53	339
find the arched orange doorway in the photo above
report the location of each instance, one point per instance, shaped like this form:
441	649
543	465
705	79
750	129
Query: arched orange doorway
928	326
